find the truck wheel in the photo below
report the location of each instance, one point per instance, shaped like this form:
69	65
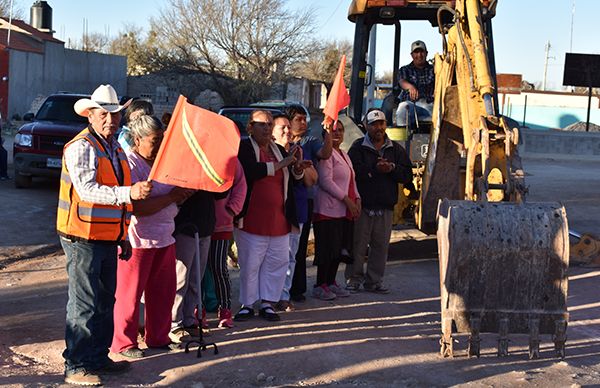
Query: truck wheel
22	181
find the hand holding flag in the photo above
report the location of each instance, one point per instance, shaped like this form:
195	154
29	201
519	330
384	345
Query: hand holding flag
338	96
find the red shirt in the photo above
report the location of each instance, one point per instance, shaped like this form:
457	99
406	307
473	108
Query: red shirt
266	209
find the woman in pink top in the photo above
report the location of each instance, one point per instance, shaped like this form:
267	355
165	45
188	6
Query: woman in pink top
151	269
337	203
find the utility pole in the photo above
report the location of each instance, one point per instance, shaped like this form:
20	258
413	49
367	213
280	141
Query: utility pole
572	23
9	24
548	46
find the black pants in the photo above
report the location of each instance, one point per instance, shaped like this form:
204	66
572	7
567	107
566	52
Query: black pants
3	160
217	262
299	280
329	241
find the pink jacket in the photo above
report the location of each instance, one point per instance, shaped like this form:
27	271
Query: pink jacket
335	174
234	202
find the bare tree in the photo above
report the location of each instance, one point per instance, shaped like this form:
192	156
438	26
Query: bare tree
17	12
93	42
387	77
251	41
323	63
140	48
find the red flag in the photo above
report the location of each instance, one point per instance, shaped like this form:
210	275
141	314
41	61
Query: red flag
199	150
338	96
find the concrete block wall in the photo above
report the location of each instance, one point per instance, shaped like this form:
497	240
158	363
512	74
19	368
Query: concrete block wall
576	145
32	75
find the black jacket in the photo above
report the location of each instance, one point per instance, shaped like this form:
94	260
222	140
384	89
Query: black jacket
378	190
197	214
254	171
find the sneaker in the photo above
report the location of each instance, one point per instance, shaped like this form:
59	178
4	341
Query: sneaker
323	292
378	289
353	288
179	335
114	368
339	291
132	353
204	321
193	331
168	347
225	318
83	378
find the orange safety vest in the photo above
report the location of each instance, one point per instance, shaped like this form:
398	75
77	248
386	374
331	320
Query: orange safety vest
81	220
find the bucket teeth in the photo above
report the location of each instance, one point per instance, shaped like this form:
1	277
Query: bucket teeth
503	337
534	338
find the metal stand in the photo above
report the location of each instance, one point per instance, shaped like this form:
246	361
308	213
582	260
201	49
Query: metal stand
201	345
200	341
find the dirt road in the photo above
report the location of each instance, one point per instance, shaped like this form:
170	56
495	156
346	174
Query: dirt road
363	340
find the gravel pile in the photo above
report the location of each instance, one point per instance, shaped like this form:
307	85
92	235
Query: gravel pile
580	127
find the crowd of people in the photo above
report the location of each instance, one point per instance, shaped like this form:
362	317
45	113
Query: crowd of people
165	237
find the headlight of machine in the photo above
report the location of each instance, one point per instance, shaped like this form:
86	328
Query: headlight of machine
23	139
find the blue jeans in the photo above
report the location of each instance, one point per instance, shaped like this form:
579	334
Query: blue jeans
289	276
405	115
92	271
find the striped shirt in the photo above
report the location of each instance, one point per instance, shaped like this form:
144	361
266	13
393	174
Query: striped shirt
82	164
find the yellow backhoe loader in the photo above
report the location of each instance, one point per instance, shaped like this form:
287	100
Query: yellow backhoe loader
503	261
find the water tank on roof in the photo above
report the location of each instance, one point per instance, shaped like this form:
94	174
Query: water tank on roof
41	16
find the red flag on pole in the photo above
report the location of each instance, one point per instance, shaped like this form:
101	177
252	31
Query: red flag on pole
338	96
199	150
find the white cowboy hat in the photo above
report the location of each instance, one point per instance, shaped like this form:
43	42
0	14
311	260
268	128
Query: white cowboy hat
104	97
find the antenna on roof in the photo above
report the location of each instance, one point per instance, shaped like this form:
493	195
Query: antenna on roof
10	13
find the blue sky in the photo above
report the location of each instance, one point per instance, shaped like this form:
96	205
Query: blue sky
521	29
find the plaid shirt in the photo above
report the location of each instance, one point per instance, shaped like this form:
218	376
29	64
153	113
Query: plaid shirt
82	164
423	79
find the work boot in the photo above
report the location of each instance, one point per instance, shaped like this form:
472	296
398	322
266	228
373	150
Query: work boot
83	378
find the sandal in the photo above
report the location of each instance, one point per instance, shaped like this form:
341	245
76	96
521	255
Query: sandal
244	314
269	314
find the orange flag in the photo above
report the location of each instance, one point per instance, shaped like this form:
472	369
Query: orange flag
338	96
199	150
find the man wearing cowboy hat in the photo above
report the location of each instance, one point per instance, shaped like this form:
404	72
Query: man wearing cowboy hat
93	214
417	81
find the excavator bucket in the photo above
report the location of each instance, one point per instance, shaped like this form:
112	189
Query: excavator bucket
503	269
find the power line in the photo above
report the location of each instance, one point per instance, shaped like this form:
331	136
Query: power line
333	13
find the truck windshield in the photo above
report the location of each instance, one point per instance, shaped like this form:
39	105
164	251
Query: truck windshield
60	109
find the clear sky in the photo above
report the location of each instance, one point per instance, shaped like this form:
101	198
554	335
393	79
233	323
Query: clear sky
521	29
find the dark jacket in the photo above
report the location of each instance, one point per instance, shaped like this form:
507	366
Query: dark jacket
197	214
254	171
378	190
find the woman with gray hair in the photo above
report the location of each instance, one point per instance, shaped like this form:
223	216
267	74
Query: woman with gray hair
151	269
136	109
